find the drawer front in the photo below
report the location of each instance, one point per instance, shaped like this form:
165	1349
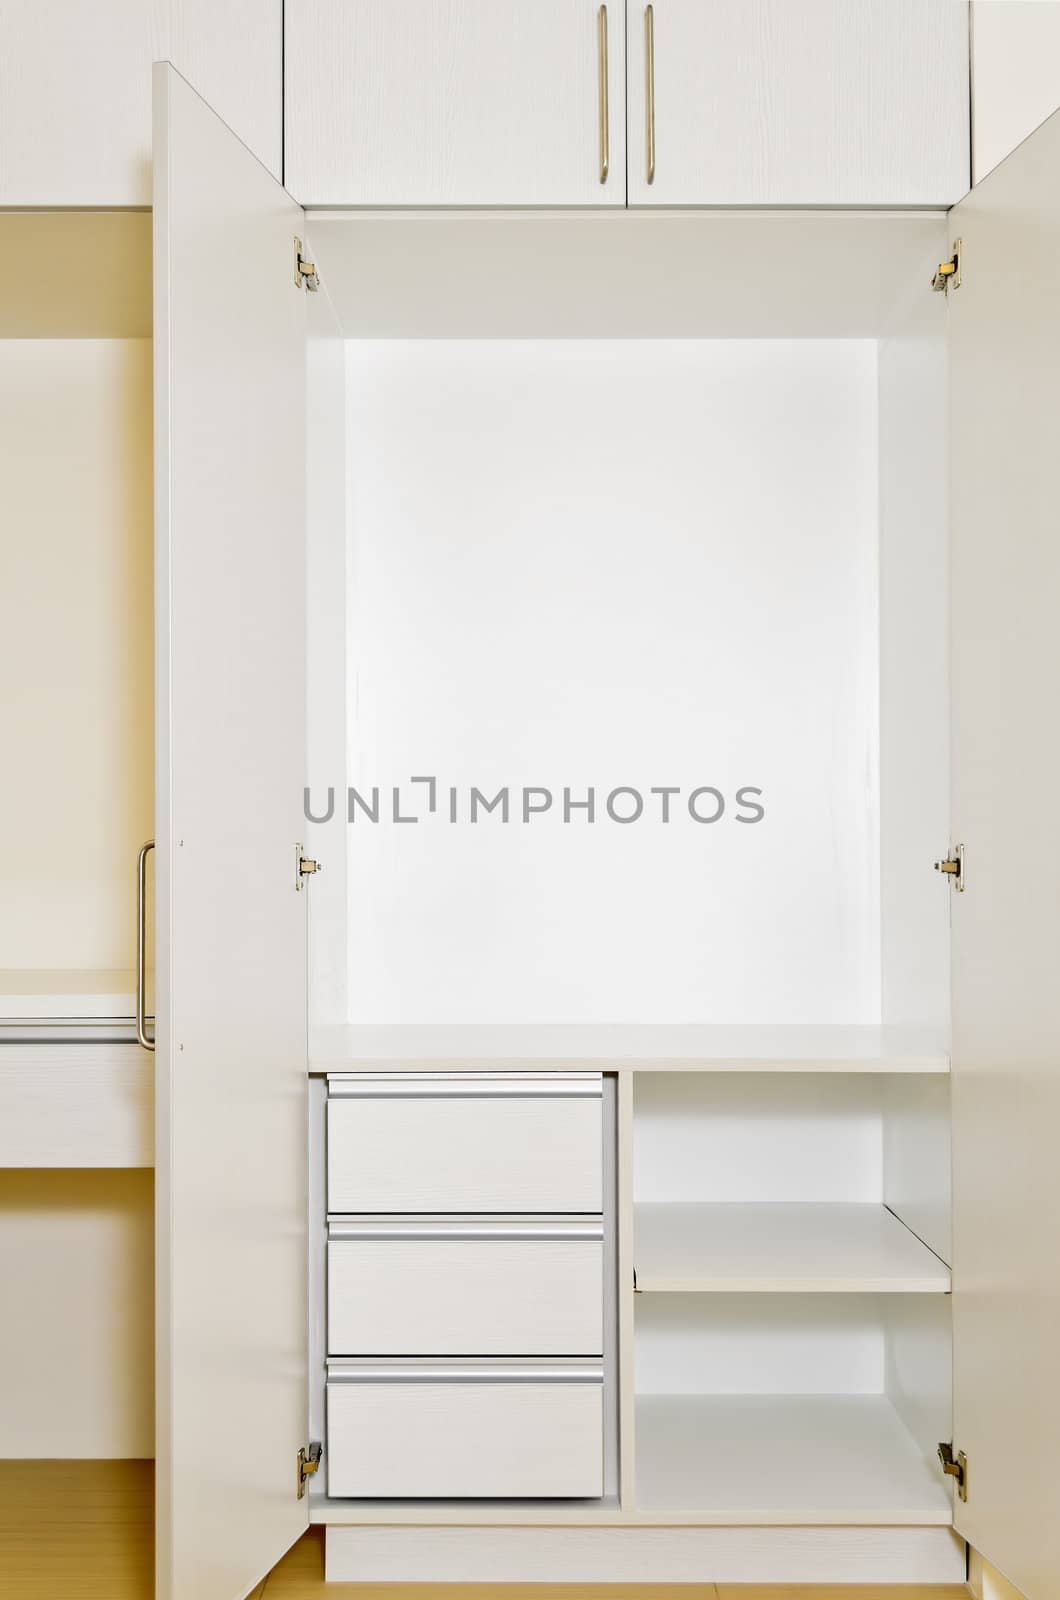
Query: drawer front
412	1437
408	1291
454	1151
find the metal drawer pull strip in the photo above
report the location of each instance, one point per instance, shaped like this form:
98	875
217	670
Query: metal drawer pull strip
467	1086
407	1228
591	1371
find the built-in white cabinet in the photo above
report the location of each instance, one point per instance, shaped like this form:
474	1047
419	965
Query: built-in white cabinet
611	507
75	90
455	102
707	102
797	102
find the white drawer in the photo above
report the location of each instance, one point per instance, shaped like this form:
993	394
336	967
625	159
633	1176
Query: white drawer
452	1287
438	1432
466	1143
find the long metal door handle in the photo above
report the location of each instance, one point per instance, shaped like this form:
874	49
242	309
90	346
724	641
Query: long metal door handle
649	88
141	946
605	130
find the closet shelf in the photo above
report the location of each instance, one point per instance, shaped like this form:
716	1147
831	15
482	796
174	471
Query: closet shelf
58	994
775	1248
618	1047
784	1459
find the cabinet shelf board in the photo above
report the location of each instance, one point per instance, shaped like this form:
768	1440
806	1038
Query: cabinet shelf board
775	1248
784	1459
629	1047
49	993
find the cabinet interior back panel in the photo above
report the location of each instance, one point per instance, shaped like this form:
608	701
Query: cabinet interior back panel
584	567
76	568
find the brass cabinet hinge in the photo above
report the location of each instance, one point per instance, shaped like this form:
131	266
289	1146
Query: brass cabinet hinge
308	1463
948	275
953	868
304	866
955	1466
305	272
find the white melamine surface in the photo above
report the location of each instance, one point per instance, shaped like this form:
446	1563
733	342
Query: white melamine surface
465	1297
825	1249
836	1049
1015	75
326	644
480	1439
917	1157
43	992
765	102
607	274
914	662
739	1137
784	1459
761	1344
691	1555
468	102
76	1105
1005	360
419	1154
75	90
670	553
230	347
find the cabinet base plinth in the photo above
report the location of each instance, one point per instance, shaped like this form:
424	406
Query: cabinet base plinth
416	1554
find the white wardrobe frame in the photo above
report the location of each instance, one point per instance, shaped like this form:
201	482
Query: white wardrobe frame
230	514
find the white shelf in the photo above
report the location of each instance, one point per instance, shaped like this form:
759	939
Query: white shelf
618	1047
48	994
773	1248
784	1459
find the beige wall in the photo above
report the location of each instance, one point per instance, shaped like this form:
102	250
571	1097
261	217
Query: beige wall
75	647
76	1333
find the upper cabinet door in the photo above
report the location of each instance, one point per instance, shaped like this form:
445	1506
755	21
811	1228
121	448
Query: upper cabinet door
75	90
1005	762
455	102
797	102
1015	75
230	563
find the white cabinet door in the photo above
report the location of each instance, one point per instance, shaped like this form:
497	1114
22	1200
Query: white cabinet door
1005	659
798	102
75	90
455	102
230	361
1015	75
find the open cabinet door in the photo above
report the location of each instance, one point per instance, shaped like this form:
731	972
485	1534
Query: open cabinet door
229	332
1004	328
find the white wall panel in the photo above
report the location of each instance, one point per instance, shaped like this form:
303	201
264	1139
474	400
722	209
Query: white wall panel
601	564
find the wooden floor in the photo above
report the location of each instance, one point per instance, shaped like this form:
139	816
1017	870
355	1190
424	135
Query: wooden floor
82	1530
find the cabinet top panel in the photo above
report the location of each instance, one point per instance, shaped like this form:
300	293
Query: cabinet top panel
624	275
